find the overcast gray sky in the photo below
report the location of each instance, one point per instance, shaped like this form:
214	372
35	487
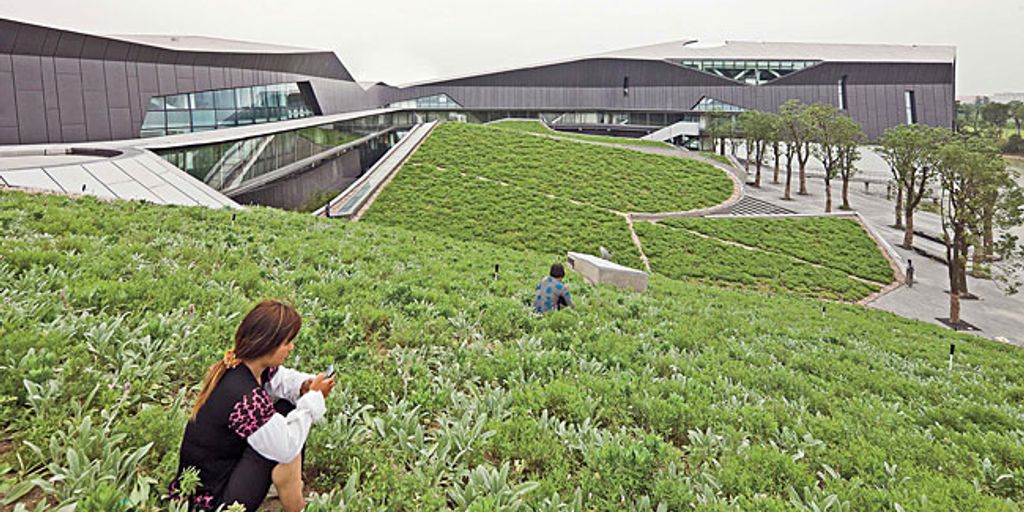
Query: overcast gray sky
399	41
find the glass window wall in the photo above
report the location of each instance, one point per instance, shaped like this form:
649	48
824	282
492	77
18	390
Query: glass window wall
748	71
224	108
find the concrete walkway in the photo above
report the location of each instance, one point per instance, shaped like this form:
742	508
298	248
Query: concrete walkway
998	316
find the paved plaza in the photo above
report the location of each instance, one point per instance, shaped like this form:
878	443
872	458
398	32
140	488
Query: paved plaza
997	315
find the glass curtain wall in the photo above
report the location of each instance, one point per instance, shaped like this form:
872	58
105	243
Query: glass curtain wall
223	108
228	164
752	72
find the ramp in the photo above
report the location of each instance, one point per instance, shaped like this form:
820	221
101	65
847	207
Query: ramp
358	196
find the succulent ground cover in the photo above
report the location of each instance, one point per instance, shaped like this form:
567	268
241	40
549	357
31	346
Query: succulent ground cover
720	158
681	254
427	198
612	178
524	125
503	197
834	242
452	395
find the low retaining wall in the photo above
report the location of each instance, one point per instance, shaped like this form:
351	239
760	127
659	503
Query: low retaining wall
601	271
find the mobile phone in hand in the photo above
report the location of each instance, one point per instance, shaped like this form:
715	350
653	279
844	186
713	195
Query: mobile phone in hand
329	372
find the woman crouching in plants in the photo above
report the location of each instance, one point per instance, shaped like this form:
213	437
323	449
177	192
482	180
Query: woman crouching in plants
238	440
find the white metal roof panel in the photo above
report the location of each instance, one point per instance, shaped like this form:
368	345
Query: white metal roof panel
76	180
30	178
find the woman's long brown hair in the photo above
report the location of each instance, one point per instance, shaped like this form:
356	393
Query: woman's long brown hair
269	325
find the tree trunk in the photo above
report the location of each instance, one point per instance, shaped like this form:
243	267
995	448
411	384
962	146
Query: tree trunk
899	206
757	175
908	230
775	151
846	192
803	178
789	179
978	260
962	270
987	238
828	193
954	282
954	308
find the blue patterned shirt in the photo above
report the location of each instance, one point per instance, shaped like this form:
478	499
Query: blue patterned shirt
551	294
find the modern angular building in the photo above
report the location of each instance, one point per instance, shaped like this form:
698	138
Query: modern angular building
879	86
244	118
62	86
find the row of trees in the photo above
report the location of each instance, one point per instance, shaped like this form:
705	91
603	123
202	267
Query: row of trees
978	193
795	133
978	117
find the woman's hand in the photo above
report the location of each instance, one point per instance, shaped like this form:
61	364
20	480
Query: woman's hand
322	384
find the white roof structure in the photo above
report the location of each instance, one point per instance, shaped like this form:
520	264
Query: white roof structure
746	50
208	44
131	174
829	52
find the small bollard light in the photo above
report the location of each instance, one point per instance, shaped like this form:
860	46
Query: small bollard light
823	311
495	271
83	187
952	349
232	218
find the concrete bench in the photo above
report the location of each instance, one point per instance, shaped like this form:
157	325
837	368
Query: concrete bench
597	270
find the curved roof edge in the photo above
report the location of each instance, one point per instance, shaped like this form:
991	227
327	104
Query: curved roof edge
22	38
692	49
827	52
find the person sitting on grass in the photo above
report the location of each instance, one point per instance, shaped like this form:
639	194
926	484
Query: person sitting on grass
552	293
238	439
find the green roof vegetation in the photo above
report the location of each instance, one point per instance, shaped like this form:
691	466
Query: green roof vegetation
611	178
524	125
452	394
833	242
682	254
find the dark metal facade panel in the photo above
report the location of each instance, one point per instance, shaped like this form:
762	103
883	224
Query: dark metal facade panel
94	47
49	73
167	83
92	75
70	45
50	45
73	132
117	50
69	97
593	73
53	125
136	107
32	117
116	84
184	77
202	77
8	35
121	125
217	80
28	73
30	40
149	82
8	108
97	115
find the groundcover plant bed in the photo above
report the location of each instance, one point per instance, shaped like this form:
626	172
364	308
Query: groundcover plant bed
839	243
427	198
453	395
524	125
613	178
680	254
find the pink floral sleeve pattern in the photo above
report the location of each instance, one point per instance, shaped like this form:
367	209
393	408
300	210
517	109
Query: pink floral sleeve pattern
251	412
